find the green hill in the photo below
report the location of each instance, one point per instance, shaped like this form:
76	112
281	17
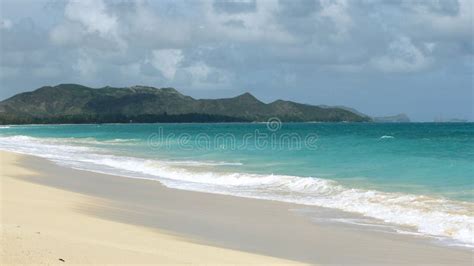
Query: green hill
72	103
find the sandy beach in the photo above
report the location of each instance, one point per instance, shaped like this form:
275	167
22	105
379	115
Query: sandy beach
52	214
47	225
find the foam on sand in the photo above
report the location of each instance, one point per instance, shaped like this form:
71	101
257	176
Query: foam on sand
430	216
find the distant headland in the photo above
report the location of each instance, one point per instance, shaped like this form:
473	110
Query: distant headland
73	103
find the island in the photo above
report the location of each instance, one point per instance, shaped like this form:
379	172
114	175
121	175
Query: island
73	103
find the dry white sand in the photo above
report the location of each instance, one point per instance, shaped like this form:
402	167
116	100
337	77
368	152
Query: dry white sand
42	225
51	212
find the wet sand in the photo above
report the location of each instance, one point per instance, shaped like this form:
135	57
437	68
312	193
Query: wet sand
91	215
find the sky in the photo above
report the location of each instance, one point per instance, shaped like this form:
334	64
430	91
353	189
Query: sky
379	57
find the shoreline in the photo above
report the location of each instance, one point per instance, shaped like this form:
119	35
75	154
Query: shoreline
42	224
255	122
260	228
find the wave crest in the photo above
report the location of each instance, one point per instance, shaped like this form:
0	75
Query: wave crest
430	216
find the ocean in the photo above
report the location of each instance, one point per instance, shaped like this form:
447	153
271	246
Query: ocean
415	176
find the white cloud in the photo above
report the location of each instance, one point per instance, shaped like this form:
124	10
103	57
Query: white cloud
92	14
430	46
5	24
67	33
196	45
88	21
199	71
448	25
167	61
143	24
86	66
205	76
402	56
259	25
338	13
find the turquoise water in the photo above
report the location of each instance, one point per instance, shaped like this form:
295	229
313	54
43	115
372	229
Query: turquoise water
421	171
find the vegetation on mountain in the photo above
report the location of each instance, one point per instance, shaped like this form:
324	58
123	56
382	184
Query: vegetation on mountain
72	103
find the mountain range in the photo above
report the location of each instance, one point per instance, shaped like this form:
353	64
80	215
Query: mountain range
73	103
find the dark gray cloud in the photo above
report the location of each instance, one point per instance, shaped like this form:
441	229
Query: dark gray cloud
381	57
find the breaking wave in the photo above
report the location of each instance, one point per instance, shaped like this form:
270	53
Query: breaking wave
430	216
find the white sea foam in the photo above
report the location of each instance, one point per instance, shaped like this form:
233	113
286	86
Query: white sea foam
76	141
121	141
203	163
387	137
427	215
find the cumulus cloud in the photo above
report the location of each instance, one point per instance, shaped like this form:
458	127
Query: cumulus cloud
199	71
5	24
318	48
337	12
86	66
403	56
247	21
92	15
444	20
86	19
146	28
67	33
167	61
